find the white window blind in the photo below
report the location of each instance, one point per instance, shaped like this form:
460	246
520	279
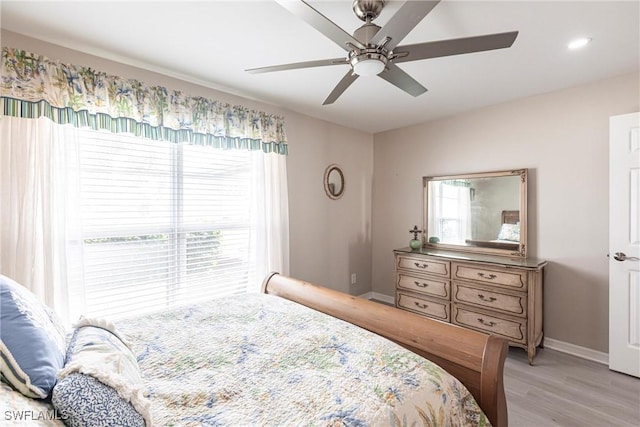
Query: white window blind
163	224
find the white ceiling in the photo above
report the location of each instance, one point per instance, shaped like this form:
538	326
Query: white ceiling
213	42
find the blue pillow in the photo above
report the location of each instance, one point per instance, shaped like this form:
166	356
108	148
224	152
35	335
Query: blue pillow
84	401
32	341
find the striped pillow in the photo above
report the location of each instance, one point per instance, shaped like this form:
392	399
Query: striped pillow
32	341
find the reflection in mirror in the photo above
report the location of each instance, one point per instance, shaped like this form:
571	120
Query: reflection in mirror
334	182
477	212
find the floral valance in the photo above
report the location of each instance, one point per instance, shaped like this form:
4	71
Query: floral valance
35	86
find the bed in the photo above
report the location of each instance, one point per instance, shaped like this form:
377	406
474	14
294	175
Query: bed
274	358
508	236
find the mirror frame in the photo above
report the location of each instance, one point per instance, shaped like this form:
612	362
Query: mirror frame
520	252
327	173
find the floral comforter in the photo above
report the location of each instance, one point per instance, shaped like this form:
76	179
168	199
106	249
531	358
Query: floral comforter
262	360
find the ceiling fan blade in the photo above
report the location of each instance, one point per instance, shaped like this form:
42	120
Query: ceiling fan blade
397	77
320	22
405	19
454	46
296	65
346	81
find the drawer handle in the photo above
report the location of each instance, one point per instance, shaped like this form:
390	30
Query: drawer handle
417	264
483	298
487	276
423	306
485	323
420	284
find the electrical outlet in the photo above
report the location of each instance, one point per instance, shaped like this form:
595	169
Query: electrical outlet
353	278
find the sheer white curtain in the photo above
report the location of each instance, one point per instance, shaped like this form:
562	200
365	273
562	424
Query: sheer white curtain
41	239
271	215
464	214
39	235
434	213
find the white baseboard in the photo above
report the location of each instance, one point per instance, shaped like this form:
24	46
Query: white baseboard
576	350
380	297
384	298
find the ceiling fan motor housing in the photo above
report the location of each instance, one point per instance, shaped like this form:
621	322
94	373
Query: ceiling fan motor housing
365	33
370	60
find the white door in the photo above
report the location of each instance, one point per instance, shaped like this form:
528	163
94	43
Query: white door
624	244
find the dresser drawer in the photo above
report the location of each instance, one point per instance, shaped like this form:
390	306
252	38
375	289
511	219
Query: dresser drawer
516	279
436	309
515	303
423	265
425	285
514	330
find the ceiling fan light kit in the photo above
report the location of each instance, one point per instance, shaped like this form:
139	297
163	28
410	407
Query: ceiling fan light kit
368	63
374	50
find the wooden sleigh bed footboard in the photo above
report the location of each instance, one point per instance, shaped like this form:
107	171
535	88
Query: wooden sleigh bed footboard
476	359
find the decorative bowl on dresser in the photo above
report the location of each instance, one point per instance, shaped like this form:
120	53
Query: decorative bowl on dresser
472	268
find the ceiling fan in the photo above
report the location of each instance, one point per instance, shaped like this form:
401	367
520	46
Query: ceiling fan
374	50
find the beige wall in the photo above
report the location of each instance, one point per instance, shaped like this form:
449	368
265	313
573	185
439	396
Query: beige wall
332	237
329	240
562	137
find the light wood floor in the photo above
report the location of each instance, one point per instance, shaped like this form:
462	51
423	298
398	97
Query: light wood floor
564	390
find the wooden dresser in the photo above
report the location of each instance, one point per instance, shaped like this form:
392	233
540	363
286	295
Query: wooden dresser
492	294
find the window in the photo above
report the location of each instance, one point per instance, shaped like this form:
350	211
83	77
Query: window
451	204
162	223
103	224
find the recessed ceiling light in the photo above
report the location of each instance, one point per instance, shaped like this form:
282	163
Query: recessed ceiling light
579	43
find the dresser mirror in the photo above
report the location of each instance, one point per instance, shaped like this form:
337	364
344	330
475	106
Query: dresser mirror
479	212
